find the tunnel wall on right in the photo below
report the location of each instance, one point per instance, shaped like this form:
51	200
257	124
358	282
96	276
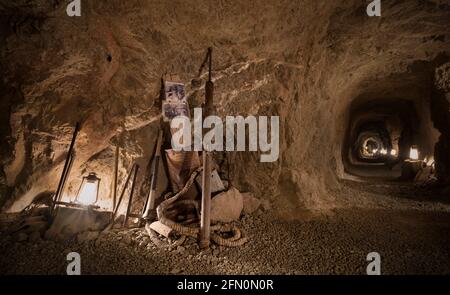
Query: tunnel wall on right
440	113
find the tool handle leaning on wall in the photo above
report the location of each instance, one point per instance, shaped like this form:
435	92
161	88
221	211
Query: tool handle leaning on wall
150	204
205	220
65	171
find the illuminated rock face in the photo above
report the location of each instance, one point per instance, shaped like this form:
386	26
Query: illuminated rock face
305	61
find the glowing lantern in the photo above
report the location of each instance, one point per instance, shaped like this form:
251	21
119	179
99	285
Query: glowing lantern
88	191
414	153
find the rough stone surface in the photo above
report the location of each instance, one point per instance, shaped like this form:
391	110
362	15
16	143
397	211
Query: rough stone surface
34	237
302	60
250	203
21	237
87	236
443	77
227	206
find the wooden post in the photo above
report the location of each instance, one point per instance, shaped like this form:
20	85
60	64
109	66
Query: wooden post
65	171
130	199
125	186
65	176
205	221
116	172
150	203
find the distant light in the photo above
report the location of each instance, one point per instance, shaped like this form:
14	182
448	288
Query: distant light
429	161
88	192
414	153
374	151
393	153
383	152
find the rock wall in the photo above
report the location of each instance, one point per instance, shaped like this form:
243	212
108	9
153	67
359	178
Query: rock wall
302	60
441	110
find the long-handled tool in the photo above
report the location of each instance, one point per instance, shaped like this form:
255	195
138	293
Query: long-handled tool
130	199
66	170
116	176
150	203
205	221
125	186
133	172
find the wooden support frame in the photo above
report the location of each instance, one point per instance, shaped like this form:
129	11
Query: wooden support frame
133	172
66	170
76	205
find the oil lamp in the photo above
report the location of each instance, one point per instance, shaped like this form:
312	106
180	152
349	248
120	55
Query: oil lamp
88	191
414	153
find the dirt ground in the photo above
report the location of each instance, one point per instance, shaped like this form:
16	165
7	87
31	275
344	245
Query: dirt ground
410	241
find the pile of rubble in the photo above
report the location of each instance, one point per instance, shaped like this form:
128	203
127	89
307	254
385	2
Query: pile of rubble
21	228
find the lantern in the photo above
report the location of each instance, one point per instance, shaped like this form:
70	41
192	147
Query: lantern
414	153
88	191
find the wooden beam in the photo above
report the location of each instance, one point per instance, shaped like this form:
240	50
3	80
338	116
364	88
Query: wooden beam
116	176
130	199
205	221
65	171
123	193
150	203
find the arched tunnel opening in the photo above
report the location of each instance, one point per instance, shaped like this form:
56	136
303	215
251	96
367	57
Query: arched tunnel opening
167	137
392	133
381	135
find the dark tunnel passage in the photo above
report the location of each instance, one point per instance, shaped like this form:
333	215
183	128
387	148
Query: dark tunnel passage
397	130
381	134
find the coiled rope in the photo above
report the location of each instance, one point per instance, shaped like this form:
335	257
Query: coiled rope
237	239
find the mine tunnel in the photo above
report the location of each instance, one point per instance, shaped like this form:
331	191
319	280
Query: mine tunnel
382	134
391	133
344	148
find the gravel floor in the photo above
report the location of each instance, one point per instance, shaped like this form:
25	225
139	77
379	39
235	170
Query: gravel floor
409	241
